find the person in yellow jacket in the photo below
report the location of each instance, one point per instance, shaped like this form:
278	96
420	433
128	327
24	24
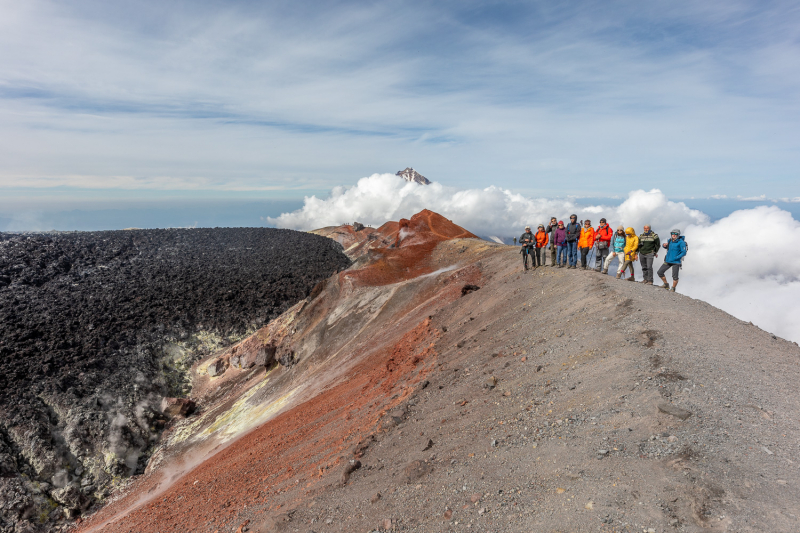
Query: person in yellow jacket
631	249
585	242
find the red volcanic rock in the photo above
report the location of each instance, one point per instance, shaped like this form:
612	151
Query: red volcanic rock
172	407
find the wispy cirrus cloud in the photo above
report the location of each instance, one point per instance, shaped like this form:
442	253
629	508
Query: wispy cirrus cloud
593	97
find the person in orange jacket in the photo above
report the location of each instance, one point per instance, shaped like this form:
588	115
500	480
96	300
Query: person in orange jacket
539	255
585	242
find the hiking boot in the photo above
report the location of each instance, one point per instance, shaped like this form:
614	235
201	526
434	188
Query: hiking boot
664	286
631	278
598	269
619	276
604	271
672	289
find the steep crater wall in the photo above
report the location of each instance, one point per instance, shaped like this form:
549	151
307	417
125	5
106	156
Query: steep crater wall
95	328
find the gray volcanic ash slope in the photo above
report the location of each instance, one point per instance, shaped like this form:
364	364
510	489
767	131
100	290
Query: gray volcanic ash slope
95	328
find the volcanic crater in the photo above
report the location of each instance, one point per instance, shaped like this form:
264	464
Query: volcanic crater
96	328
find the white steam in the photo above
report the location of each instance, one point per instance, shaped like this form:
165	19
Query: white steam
747	263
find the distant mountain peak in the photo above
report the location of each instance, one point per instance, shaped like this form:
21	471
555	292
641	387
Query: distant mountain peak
409	174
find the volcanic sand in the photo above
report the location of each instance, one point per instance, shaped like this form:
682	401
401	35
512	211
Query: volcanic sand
535	403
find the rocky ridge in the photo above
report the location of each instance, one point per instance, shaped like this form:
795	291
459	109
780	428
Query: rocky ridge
467	395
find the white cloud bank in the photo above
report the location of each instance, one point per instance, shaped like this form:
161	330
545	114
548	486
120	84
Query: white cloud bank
747	263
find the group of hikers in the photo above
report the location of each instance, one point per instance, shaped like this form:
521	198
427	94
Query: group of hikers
564	242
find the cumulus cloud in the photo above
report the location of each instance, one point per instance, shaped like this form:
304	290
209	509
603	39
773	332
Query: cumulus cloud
489	211
747	263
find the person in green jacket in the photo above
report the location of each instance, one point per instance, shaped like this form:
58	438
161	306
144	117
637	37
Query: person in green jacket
649	244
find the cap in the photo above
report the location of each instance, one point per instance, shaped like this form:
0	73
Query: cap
541	225
561	222
527	227
602	220
620	227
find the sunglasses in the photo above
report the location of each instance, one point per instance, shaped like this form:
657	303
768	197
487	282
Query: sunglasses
674	233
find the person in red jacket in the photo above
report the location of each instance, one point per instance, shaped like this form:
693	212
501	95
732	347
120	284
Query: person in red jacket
602	238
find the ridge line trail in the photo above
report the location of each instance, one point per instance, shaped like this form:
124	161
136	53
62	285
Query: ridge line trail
540	406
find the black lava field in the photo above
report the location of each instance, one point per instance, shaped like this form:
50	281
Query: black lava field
84	318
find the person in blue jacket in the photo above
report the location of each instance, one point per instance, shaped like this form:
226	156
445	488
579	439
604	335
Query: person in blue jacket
676	250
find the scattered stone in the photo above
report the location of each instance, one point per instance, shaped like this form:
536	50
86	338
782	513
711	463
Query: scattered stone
428	446
560	490
674	410
264	356
172	407
217	367
672	438
490	383
475	498
350	467
387	524
377	496
602	453
589	506
466	289
448	514
416	470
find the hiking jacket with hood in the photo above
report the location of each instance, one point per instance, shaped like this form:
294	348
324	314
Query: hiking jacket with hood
675	250
604	234
560	236
527	236
618	243
573	231
649	243
587	238
541	238
631	244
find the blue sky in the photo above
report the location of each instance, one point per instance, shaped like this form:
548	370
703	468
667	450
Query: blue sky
277	100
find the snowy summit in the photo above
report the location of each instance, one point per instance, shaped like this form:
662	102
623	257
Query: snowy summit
409	174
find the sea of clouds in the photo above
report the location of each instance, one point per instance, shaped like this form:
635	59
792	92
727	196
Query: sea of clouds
747	263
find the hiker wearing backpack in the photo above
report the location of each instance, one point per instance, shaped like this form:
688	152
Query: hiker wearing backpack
631	247
676	250
551	232
573	234
649	242
617	250
527	240
602	240
541	246
586	242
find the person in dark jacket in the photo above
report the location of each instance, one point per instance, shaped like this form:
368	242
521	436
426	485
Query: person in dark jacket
551	233
528	242
560	241
573	234
648	251
603	235
676	250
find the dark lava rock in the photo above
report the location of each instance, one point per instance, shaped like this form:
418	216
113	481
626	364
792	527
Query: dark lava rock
96	328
